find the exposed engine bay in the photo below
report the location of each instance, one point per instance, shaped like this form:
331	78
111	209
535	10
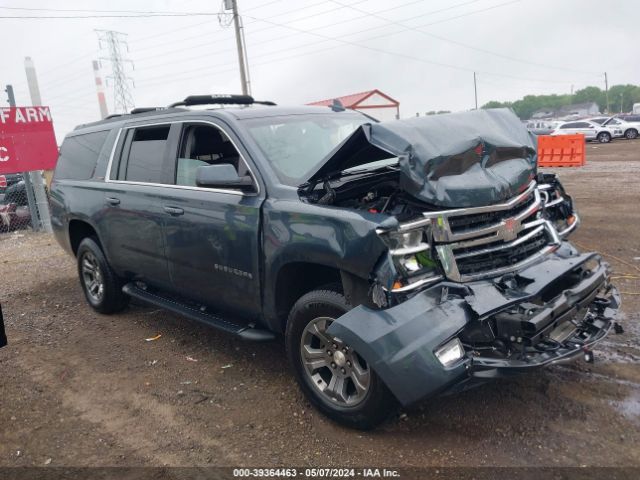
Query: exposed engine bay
375	192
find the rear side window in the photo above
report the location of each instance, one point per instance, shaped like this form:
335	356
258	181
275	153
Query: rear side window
146	154
79	155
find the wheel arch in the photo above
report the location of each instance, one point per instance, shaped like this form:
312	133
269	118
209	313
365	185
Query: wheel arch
78	231
295	279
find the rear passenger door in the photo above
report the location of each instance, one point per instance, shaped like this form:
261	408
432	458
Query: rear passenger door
136	192
212	234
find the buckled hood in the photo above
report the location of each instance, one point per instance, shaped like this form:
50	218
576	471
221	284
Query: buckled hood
454	160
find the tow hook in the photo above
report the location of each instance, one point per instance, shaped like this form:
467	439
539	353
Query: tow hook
588	355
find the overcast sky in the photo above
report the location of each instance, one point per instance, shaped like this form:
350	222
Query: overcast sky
422	53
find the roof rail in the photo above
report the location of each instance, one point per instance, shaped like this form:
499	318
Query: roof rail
146	109
220	99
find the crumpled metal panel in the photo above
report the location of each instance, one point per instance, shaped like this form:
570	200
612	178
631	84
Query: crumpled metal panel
454	160
399	342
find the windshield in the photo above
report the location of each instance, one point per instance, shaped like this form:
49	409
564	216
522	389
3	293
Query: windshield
296	145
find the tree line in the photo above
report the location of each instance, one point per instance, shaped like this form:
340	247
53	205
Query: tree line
621	99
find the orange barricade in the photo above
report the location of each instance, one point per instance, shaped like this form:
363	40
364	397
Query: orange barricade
561	150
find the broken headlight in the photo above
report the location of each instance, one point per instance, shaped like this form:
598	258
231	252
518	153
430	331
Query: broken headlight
557	204
412	258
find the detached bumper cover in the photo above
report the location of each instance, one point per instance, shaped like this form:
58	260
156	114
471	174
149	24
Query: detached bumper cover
399	342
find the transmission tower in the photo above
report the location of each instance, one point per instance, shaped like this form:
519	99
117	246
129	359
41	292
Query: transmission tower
113	43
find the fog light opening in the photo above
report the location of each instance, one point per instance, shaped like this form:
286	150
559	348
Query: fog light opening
450	352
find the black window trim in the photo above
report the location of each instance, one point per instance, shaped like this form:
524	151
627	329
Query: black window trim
118	149
184	125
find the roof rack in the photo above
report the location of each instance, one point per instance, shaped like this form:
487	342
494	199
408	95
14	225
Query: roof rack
220	99
145	109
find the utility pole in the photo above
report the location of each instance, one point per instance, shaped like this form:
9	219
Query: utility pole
42	202
114	42
621	98
606	89
475	88
240	45
33	210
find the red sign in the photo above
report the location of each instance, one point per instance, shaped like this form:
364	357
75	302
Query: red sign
27	141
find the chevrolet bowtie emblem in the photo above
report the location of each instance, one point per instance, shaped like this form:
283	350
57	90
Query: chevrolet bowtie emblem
510	229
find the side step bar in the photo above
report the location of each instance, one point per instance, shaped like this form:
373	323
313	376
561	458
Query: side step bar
243	331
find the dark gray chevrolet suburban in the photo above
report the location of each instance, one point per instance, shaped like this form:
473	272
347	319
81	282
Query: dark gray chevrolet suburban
400	260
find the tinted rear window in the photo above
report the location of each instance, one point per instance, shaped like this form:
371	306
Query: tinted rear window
79	155
146	154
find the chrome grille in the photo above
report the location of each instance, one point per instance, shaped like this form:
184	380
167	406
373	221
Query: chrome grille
475	243
501	256
463	223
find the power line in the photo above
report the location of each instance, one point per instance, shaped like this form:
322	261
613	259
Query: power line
332	24
455	42
142	15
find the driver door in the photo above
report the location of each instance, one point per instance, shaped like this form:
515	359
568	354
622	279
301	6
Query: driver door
211	234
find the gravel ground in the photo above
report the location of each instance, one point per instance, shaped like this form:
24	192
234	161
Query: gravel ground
82	389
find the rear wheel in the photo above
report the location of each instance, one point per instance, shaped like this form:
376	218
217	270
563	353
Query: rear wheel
604	137
335	378
631	134
100	285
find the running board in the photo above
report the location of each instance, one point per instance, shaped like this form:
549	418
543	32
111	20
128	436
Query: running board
243	331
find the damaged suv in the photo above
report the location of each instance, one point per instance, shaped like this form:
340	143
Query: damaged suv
400	260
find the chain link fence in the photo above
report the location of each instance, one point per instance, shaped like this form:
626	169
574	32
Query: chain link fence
18	207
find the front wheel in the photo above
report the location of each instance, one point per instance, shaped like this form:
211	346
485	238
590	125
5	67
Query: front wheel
604	137
335	378
100	284
631	134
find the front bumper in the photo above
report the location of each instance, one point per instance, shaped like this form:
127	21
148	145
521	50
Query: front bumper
548	313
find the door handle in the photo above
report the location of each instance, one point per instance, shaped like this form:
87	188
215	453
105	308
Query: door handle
113	201
175	211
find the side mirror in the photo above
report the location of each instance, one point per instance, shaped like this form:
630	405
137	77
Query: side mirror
222	176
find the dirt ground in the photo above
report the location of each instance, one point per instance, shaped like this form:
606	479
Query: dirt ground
81	389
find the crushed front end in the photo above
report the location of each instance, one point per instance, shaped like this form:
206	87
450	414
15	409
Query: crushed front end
469	294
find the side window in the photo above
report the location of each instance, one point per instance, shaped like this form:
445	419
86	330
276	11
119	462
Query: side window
568	125
582	125
203	145
146	148
79	155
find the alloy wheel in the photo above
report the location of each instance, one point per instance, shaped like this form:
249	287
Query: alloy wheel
92	277
337	372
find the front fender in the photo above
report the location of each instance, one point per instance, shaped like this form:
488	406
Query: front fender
398	343
294	231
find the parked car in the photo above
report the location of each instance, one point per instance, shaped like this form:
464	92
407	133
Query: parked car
590	130
394	272
622	127
630	118
7	180
540	128
14	208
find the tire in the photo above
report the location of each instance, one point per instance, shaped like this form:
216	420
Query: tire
104	293
631	134
361	408
604	137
